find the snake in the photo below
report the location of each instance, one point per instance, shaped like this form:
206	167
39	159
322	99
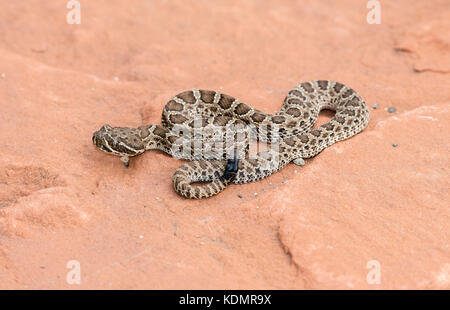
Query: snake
216	133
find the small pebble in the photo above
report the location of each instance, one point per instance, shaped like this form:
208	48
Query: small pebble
270	183
299	161
116	78
3	75
141	237
240	196
394	144
392	109
255	193
375	105
295	171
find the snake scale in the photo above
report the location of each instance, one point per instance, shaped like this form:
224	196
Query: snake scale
204	113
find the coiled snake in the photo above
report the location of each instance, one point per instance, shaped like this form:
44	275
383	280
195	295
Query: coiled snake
205	115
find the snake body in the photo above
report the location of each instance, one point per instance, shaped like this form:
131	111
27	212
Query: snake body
204	113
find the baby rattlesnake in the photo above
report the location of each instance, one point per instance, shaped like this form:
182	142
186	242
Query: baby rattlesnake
290	130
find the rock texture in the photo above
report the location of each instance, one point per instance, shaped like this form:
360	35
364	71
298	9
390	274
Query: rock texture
312	227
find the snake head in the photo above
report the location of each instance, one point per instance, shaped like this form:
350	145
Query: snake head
121	141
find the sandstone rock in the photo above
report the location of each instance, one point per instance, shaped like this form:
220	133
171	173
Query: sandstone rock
360	203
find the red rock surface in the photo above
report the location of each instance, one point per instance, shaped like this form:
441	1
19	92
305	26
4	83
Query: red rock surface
310	227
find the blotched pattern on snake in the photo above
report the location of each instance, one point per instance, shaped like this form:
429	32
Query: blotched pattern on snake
207	111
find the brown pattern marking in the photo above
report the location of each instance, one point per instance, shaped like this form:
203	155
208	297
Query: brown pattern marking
339	119
323	85
347	93
242	109
289	141
177	118
187	96
144	132
160	131
316	132
172	139
327	126
308	87
338	87
258	117
291	124
201	164
207	96
278	119
349	112
294	112
172	105
353	103
221	120
295	92
294	101
197	191
225	101
215	187
208	190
